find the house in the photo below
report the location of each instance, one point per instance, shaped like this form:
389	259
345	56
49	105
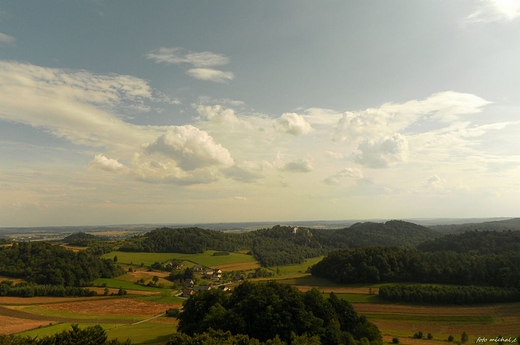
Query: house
224	288
198	268
203	288
189	282
187	292
217	273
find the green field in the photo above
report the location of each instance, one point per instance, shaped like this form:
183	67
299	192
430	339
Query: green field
125	284
56	328
206	259
143	333
300	268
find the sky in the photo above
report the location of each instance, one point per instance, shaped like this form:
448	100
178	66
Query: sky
126	112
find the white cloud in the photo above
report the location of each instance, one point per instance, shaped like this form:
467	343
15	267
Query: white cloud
299	165
345	173
4	38
197	59
190	147
202	61
494	11
293	123
390	118
210	74
383	153
107	164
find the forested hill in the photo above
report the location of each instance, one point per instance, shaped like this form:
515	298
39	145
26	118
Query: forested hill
512	224
281	245
391	233
44	263
481	242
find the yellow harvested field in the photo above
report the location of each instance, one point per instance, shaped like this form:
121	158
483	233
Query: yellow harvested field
118	306
240	266
10	325
369	308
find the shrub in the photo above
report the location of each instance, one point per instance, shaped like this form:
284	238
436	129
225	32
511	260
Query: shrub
395	340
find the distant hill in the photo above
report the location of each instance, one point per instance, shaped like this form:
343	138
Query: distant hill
498	225
282	245
391	233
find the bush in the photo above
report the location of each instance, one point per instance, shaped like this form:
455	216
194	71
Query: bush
395	340
418	335
450	338
430	336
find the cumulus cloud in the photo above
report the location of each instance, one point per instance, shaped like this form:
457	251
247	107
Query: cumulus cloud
383	153
292	123
495	11
299	165
210	74
345	173
4	38
242	173
434	182
190	147
168	172
107	164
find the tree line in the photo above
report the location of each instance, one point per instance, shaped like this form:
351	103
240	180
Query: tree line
8	288
448	294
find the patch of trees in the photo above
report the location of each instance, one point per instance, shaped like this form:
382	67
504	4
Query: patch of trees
216	337
392	264
82	239
448	294
270	310
481	242
94	335
46	264
184	240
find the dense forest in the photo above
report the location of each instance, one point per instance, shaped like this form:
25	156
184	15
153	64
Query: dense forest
481	242
393	264
267	310
281	245
512	224
47	264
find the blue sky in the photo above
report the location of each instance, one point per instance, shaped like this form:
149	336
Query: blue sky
219	111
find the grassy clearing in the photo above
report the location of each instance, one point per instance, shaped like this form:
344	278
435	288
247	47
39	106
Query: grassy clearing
143	333
359	298
300	268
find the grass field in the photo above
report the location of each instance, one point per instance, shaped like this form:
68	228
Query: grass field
206	259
